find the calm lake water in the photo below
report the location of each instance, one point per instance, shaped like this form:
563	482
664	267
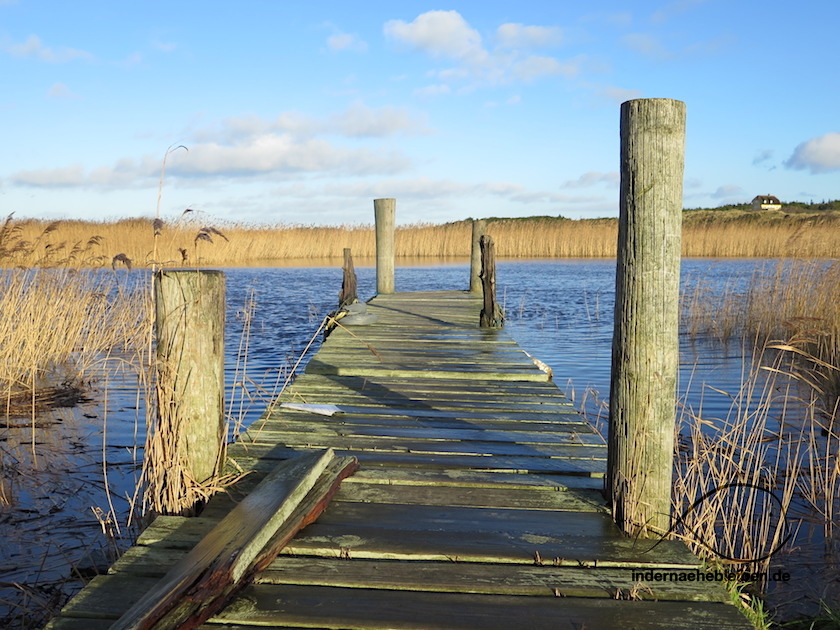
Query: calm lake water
68	506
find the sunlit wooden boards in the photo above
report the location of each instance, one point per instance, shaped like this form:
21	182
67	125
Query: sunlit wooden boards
425	335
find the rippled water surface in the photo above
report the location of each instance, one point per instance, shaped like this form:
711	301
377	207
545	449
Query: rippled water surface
85	463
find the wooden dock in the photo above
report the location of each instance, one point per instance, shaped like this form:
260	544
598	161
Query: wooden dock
477	504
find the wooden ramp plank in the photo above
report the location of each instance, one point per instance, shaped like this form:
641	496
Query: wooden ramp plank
234	547
331	607
548	465
488	579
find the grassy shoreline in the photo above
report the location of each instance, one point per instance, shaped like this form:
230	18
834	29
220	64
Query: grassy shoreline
730	233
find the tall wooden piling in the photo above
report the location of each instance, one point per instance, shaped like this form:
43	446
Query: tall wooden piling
385	214
645	351
189	325
479	228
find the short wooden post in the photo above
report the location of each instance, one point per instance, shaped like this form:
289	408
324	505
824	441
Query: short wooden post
479	228
645	350
385	214
491	315
189	324
349	282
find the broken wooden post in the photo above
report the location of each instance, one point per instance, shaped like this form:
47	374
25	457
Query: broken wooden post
187	441
645	350
349	282
479	227
385	214
491	315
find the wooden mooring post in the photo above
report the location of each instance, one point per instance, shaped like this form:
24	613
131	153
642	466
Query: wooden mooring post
479	228
491	314
385	215
645	350
349	283
189	436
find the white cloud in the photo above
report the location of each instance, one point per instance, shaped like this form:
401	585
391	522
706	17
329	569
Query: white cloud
273	154
251	147
359	120
73	175
346	41
512	35
447	35
818	155
439	34
33	48
593	178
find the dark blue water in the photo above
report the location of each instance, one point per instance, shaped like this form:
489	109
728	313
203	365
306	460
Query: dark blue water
87	463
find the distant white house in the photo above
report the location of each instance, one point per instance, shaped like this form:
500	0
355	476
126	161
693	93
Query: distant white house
766	202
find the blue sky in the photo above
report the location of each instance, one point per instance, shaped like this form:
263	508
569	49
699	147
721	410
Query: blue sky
303	113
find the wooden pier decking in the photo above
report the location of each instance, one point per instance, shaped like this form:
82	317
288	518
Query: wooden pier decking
477	504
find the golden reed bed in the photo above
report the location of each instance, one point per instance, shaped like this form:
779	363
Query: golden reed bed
84	243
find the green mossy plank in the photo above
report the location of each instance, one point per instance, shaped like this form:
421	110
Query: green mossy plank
419	386
433	445
445	545
330	607
316	366
568	501
418	411
278	431
166	529
107	596
474	479
71	623
554	466
462	577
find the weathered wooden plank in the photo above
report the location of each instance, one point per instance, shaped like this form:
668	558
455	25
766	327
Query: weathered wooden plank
460	478
554	431
329	607
66	623
230	549
462	577
420	412
279	430
536	464
420	385
569	501
453	477
440	409
437	446
456	545
316	366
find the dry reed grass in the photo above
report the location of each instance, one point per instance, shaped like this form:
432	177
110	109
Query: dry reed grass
57	319
168	243
794	301
782	434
